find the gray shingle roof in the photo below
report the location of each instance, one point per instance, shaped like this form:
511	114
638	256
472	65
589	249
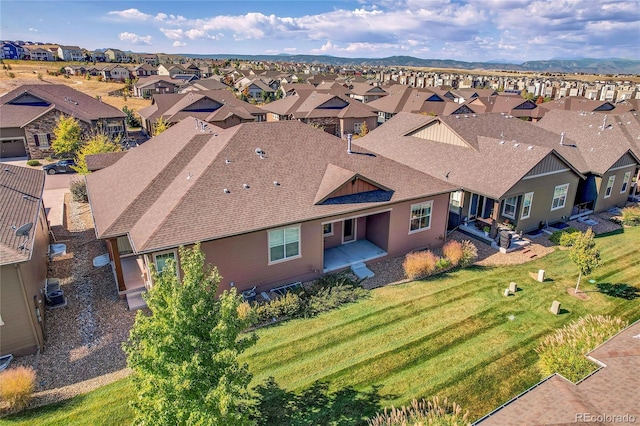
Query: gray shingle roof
178	197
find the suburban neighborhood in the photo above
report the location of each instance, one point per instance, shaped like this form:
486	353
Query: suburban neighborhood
318	243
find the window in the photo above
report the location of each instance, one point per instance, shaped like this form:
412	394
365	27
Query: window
509	207
455	199
420	217
625	182
607	192
161	260
560	196
357	128
327	229
284	243
42	140
526	205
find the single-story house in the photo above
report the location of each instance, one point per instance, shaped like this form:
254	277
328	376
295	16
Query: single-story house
24	244
507	175
29	114
271	203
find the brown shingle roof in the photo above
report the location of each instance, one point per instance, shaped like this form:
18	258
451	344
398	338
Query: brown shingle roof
612	391
178	197
600	148
100	161
67	100
21	196
473	166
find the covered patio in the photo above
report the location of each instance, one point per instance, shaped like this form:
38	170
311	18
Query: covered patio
134	273
346	255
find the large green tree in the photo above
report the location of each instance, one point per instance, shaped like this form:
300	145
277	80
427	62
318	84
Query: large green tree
96	145
585	254
185	354
68	134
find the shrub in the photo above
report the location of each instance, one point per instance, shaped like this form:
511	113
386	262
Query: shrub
443	263
332	297
567	239
556	236
333	280
564	351
16	386
469	253
78	190
419	264
33	163
11	75
288	305
435	411
452	250
631	216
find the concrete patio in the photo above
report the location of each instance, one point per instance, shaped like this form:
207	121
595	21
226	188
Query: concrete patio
346	255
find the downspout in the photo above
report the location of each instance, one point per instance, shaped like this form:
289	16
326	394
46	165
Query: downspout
27	305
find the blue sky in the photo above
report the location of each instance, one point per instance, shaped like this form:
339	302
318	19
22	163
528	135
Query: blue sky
468	30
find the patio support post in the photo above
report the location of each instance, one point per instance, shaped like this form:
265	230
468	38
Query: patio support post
115	256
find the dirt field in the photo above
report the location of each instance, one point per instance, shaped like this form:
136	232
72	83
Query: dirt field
26	72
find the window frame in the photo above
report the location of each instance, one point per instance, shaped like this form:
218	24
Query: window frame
162	253
525	206
284	244
609	188
37	139
565	188
420	206
514	204
324	229
625	182
455	199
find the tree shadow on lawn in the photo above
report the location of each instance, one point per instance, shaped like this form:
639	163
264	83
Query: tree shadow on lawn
316	405
622	291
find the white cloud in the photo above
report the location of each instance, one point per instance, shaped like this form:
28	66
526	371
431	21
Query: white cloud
290	49
33	30
178	44
135	38
131	14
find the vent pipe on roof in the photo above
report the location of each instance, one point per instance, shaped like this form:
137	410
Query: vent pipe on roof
562	138
349	137
604	122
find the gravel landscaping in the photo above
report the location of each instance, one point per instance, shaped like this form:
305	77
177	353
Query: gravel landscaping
83	346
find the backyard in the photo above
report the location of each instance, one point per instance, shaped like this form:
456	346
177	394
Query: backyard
455	335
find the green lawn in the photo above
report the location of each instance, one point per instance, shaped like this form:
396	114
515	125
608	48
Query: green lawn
455	335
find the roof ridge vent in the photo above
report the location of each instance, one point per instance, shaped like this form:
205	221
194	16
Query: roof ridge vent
226	191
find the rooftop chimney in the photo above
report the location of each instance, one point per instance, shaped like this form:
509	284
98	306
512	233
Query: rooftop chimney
349	136
562	138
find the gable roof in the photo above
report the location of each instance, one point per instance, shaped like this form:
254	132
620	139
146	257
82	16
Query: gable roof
169	201
600	147
21	194
64	99
102	160
467	149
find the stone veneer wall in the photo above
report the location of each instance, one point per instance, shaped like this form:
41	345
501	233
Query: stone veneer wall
46	124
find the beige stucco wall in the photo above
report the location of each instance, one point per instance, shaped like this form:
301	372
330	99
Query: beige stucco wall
616	199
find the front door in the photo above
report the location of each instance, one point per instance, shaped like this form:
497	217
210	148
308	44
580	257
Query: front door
348	231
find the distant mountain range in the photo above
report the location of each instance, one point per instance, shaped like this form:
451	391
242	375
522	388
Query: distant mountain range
584	65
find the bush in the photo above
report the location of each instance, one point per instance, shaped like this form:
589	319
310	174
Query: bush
452	250
79	191
631	216
469	253
564	351
419	264
330	298
568	239
33	163
11	75
435	412
442	264
288	305
556	236
16	386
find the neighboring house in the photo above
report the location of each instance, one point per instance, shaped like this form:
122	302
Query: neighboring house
145	70
330	112
218	107
513	105
114	55
37	53
147	87
610	148
255	89
579	103
29	114
115	72
366	92
23	260
98	56
12	51
70	53
97	162
206	84
170	70
608	396
507	175
75	70
267	209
